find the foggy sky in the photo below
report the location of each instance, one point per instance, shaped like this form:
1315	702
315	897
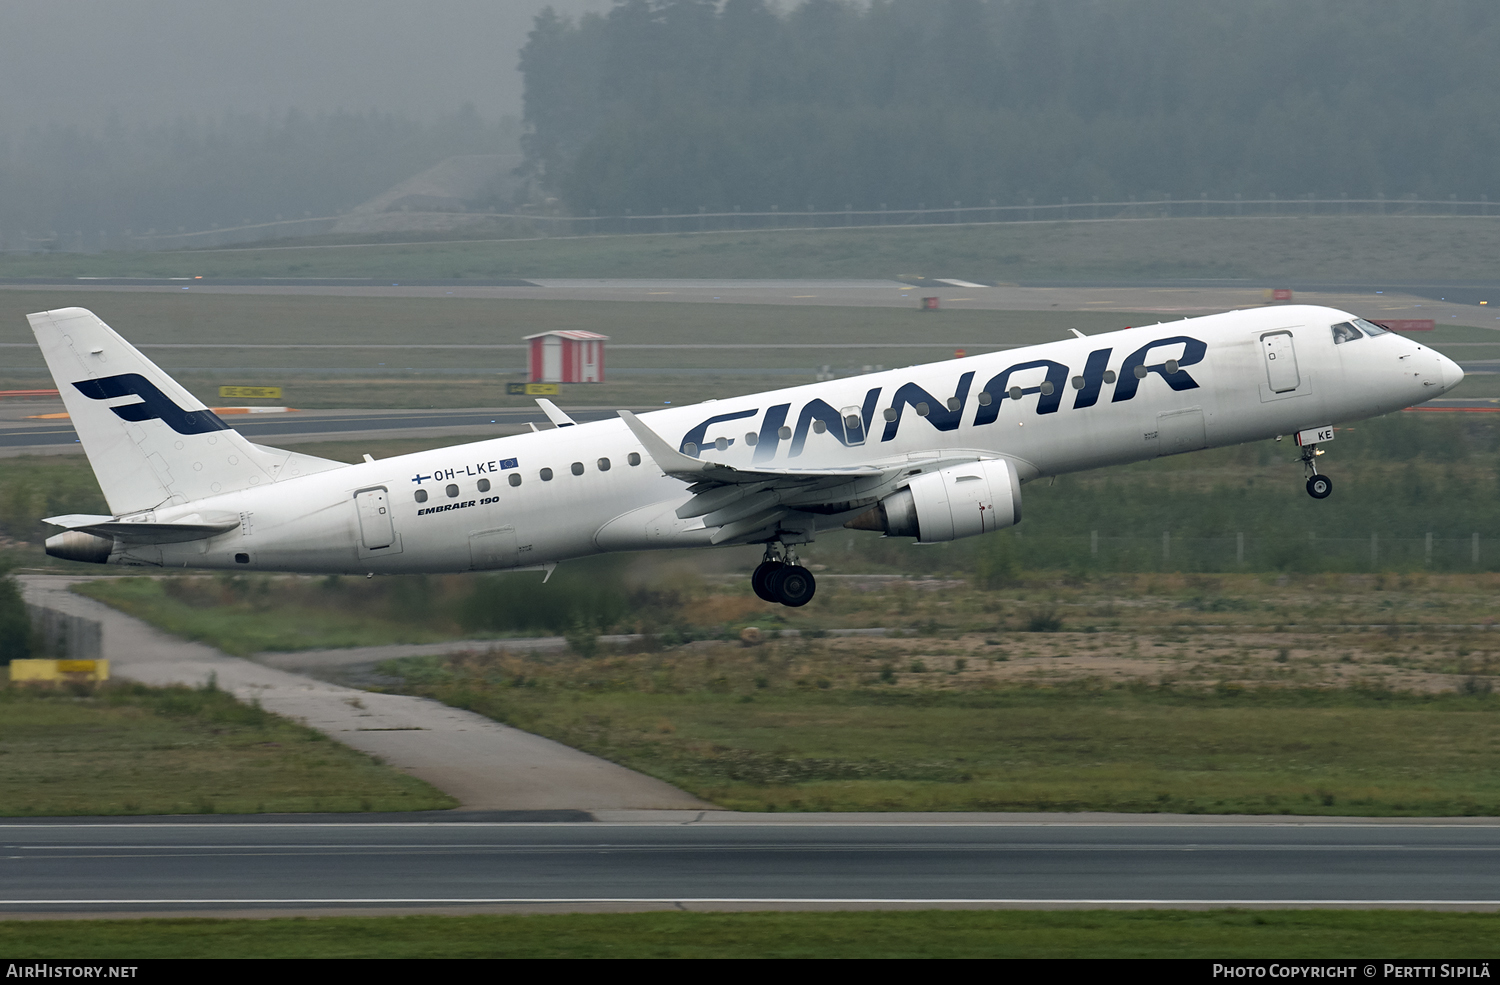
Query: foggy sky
75	61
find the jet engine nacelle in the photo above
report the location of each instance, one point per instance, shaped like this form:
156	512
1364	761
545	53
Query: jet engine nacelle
959	501
80	545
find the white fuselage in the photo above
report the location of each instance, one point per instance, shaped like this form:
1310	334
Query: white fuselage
1208	382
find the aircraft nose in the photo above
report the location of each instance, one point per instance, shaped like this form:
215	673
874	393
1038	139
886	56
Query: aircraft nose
1452	374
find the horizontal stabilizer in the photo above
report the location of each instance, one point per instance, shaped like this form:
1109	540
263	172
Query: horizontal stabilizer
143	533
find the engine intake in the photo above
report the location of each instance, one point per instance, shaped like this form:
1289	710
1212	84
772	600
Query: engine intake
959	501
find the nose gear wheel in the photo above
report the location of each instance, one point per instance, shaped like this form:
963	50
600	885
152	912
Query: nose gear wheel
1318	486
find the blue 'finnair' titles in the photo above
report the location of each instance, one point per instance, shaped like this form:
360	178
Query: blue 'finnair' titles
933	452
946	413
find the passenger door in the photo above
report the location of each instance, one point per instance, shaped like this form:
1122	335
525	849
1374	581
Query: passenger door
375	529
1281	362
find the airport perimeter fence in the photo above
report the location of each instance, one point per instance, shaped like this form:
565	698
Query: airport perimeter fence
524	224
1239	552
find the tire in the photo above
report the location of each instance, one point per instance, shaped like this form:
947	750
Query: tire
1320	487
794	585
760	580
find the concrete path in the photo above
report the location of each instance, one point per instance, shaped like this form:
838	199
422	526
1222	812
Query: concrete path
485	765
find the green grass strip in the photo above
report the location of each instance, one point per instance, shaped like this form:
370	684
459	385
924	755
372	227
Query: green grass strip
131	749
1360	934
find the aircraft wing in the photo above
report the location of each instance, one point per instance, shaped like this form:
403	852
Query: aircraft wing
745	502
555	414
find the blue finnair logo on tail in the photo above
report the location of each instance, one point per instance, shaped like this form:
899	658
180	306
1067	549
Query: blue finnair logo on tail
154	404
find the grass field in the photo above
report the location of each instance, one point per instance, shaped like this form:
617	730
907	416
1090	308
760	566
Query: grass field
1212	934
803	725
130	749
1332	693
374	378
1355	249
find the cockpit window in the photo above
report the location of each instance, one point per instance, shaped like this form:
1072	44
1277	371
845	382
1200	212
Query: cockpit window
1345	332
1369	327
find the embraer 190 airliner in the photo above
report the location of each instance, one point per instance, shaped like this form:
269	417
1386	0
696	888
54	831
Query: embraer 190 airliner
934	452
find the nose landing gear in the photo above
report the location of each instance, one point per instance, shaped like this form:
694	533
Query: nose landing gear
783	579
1318	486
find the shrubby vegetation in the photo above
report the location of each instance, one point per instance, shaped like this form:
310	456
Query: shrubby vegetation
676	104
15	626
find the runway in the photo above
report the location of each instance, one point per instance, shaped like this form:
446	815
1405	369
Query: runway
743	862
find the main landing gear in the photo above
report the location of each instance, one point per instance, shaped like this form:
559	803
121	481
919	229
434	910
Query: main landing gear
783	578
1318	486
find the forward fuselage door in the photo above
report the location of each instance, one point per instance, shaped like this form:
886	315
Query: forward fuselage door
375	529
1281	362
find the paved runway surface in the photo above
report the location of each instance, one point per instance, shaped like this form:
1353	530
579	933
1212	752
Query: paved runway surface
123	867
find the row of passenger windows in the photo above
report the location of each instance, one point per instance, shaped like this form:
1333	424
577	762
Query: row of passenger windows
483	485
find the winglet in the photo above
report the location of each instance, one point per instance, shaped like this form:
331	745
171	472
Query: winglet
667	458
554	413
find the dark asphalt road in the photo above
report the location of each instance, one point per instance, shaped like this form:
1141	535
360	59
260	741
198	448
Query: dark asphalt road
122	866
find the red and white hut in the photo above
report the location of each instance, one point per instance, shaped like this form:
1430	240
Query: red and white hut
566	357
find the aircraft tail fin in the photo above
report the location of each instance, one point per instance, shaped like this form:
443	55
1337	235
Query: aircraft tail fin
151	443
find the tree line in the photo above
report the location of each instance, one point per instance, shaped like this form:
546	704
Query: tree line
682	104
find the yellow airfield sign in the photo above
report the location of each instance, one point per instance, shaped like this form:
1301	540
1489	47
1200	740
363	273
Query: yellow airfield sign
251	392
532	389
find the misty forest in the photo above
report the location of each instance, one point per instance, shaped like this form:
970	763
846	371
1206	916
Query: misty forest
686	104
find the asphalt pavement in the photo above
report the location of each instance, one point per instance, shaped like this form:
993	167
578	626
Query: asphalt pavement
704	861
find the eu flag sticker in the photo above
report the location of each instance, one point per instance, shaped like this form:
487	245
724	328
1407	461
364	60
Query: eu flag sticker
507	463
